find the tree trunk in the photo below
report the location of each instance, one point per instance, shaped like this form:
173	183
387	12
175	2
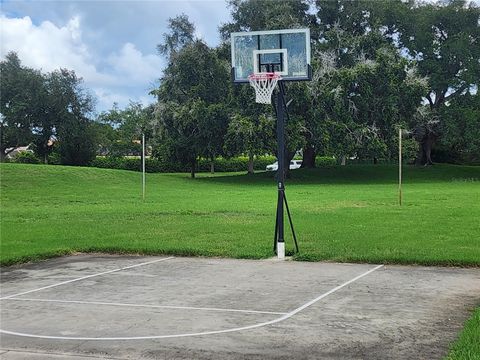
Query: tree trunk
428	152
212	166
45	159
308	160
344	160
250	164
420	158
288	157
425	151
426	141
3	156
375	161
192	168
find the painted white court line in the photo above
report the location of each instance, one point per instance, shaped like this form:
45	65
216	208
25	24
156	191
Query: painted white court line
27	354
271	322
148	306
85	277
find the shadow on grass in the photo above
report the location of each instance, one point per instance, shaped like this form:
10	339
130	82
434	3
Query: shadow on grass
358	174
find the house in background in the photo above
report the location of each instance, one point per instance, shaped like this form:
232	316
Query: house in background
12	152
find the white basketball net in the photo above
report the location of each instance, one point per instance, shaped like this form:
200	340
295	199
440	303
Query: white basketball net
263	83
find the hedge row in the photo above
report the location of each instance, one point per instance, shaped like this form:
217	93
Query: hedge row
153	165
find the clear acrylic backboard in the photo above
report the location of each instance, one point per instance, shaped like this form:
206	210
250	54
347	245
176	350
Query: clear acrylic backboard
285	52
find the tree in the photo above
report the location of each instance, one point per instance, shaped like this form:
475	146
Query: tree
130	124
356	32
363	105
71	105
106	136
107	123
343	55
41	108
179	136
190	90
197	73
250	135
254	15
47	117
213	126
442	38
460	129
21	103
77	146
182	33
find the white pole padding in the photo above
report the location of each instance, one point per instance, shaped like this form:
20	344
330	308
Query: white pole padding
281	250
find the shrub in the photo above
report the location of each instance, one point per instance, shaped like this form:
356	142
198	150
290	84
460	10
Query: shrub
54	158
325	161
108	162
77	142
26	157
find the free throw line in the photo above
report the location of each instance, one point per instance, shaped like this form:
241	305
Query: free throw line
271	322
147	306
85	277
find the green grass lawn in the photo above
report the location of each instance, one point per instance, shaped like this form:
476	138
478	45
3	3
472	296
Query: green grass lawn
467	347
340	213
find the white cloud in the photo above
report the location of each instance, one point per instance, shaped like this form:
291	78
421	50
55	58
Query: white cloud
106	98
125	74
47	46
134	66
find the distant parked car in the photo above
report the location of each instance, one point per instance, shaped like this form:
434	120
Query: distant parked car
294	164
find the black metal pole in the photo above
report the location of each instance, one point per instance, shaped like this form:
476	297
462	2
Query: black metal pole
280	172
280	107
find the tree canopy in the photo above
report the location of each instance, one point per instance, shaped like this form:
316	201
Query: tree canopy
191	109
45	109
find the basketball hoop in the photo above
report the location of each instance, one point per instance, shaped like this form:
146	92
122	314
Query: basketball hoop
264	83
267	59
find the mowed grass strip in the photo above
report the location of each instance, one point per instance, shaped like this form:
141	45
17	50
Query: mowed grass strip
340	213
467	347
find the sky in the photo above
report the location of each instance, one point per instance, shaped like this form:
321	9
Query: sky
110	44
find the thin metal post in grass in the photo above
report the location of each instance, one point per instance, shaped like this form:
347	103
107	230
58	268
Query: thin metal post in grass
143	167
400	166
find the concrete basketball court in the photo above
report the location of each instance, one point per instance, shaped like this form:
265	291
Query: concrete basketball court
127	307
